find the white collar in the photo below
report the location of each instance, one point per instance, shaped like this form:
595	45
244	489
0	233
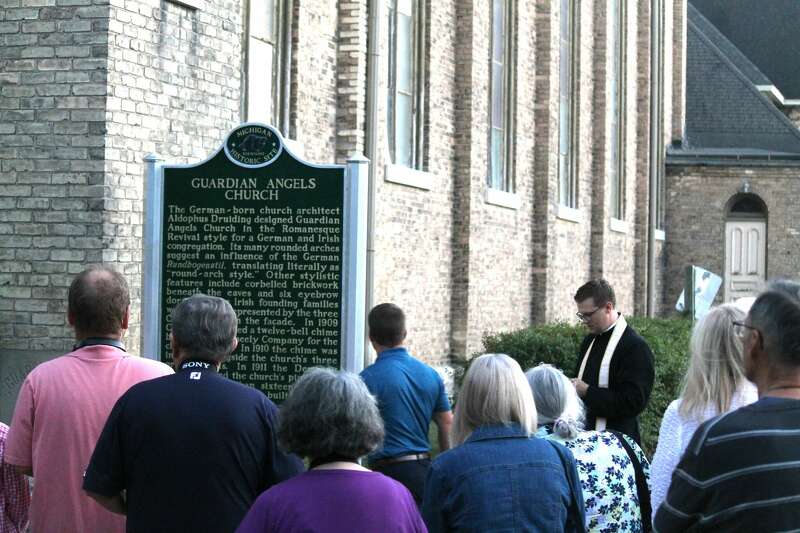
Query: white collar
609	328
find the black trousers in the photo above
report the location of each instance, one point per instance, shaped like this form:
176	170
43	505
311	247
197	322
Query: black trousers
410	473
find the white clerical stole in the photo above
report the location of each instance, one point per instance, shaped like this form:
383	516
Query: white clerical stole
602	378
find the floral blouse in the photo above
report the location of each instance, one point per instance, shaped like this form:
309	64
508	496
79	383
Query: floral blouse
608	479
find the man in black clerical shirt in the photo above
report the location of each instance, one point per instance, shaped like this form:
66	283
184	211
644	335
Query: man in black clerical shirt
191	451
615	365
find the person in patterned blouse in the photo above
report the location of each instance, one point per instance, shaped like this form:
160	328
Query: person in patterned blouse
607	474
15	497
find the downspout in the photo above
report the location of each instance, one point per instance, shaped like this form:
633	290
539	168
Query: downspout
655	147
288	20
371	149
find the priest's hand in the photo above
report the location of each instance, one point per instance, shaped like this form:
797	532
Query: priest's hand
580	387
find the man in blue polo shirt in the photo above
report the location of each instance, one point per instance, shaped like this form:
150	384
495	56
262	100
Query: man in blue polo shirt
191	451
410	394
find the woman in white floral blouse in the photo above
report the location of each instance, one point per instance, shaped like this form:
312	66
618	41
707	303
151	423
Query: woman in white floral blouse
608	476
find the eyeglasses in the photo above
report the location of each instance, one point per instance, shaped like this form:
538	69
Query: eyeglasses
584	317
740	328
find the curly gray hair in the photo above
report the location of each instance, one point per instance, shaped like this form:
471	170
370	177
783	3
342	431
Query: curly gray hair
556	400
330	412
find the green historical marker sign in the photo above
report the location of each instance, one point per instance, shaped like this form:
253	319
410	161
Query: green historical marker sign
275	236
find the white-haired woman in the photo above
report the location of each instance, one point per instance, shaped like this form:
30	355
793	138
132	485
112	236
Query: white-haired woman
331	418
500	477
714	384
607	461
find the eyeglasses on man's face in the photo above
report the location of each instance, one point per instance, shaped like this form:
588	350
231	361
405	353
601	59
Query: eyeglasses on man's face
585	317
740	329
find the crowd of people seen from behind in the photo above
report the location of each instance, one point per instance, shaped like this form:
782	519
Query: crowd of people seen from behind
120	443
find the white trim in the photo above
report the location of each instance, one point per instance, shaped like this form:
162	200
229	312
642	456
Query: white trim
505	199
191	4
354	263
771	92
297	148
660	235
569	213
151	285
408	176
774	94
620	226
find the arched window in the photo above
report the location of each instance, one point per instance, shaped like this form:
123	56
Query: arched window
567	177
267	84
616	76
501	96
746	205
406	83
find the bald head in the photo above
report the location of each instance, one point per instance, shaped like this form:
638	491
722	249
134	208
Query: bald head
98	303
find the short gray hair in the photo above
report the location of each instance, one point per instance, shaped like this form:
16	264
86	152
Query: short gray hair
205	327
494	392
330	412
777	316
556	400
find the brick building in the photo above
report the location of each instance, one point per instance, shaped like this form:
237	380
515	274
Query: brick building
733	180
513	150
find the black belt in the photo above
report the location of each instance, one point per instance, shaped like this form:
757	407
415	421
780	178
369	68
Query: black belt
401	459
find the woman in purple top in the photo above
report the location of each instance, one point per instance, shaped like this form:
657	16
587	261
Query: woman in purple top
331	418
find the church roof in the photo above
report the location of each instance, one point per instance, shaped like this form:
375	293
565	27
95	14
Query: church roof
724	109
766	31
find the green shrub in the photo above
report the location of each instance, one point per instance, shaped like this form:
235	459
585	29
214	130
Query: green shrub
558	345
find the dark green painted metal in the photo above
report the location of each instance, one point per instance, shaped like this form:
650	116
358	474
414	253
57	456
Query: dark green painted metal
226	232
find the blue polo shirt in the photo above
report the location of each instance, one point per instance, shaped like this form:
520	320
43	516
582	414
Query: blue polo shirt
193	450
409	392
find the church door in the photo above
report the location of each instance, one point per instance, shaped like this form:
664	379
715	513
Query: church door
745	257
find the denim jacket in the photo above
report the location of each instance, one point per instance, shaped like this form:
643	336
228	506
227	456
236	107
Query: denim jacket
501	480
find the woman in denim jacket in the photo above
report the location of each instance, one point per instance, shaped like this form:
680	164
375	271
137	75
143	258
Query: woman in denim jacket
500	477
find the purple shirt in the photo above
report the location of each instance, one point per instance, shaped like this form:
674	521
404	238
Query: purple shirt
332	501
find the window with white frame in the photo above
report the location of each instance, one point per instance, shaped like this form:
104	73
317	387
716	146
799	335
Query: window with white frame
406	84
501	171
266	84
567	176
616	95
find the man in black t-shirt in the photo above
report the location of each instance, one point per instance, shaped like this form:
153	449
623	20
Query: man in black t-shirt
615	365
193	450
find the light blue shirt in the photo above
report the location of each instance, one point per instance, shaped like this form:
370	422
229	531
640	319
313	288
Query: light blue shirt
409	392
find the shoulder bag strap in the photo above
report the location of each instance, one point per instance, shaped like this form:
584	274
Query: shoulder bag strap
574	509
642	489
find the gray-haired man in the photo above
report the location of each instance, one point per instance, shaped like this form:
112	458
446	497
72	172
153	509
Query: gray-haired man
192	451
740	470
